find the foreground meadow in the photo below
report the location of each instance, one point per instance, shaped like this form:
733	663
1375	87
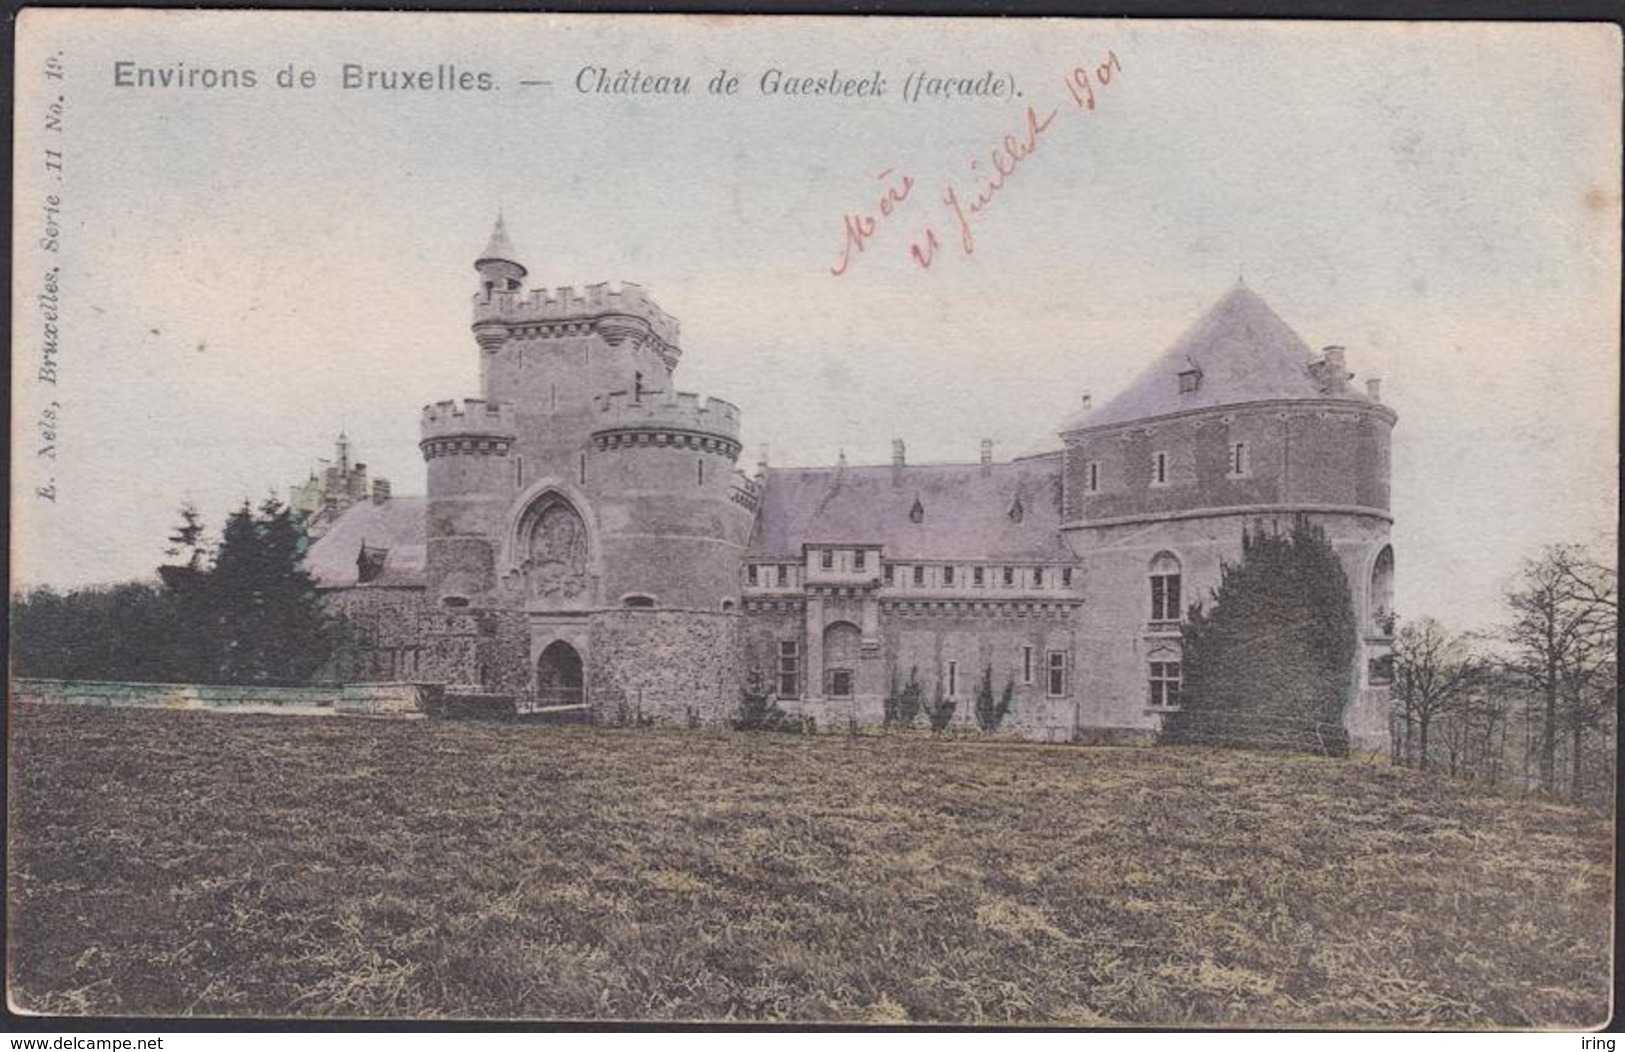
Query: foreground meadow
175	863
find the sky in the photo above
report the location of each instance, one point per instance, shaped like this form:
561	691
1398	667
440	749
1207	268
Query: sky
244	272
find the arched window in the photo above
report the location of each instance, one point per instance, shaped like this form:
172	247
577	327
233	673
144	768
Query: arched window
638	601
1382	592
1165	587
841	642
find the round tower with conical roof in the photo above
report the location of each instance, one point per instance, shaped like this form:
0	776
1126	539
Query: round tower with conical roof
1237	426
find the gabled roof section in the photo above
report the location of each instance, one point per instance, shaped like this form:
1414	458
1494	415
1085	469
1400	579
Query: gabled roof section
926	511
399	526
1239	351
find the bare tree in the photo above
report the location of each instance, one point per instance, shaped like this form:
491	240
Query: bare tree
1564	609
1433	667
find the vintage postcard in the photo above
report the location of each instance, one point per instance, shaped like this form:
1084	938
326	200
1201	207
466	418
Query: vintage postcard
869	521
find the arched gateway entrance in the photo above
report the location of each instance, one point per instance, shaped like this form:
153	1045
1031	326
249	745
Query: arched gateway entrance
558	676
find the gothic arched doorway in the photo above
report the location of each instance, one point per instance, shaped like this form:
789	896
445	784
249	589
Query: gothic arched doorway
558	676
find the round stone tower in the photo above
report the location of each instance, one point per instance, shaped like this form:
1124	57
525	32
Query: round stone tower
663	469
1238	426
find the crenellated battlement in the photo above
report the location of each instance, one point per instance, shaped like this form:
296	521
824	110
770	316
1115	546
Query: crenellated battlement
681	409
472	425
746	491
660	418
616	312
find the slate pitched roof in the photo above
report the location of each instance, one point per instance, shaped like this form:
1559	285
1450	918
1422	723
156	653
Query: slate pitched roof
399	524
1244	352
1003	511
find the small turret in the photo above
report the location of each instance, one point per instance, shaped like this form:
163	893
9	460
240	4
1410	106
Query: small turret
499	271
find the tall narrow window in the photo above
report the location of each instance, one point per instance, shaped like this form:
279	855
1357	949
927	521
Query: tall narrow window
1066	577
1038	577
977	576
1091	473
948	575
518	472
858	559
1165	680
553	397
783	576
751	574
888	573
1165	580
826	559
1026	664
1159	469
789	669
919	576
1057	674
699	472
583	469
1238	459
1009	576
953	679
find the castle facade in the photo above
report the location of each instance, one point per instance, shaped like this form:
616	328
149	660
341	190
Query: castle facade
588	537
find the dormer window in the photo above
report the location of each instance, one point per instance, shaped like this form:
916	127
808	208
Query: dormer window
1190	380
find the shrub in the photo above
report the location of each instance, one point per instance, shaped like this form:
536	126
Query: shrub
904	706
1272	664
759	711
940	711
989	714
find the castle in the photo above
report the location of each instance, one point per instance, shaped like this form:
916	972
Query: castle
587	538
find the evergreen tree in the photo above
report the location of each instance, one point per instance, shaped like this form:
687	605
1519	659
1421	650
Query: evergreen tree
190	653
1272	664
264	617
990	713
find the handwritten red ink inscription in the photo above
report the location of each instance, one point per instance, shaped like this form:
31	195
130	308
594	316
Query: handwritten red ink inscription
989	175
861	227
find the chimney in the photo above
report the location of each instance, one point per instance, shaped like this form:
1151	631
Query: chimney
380	490
1373	389
987	455
1331	372
897	457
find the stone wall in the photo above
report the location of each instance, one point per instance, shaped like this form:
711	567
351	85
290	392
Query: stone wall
365	699
382	640
1328	453
675	666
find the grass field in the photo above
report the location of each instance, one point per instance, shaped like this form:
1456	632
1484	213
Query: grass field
179	863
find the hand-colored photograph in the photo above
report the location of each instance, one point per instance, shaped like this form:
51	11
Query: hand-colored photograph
813	520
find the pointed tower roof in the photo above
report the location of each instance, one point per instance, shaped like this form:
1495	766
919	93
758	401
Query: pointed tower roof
1239	351
499	249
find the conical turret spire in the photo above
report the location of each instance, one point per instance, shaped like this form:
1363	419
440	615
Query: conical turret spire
499	247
